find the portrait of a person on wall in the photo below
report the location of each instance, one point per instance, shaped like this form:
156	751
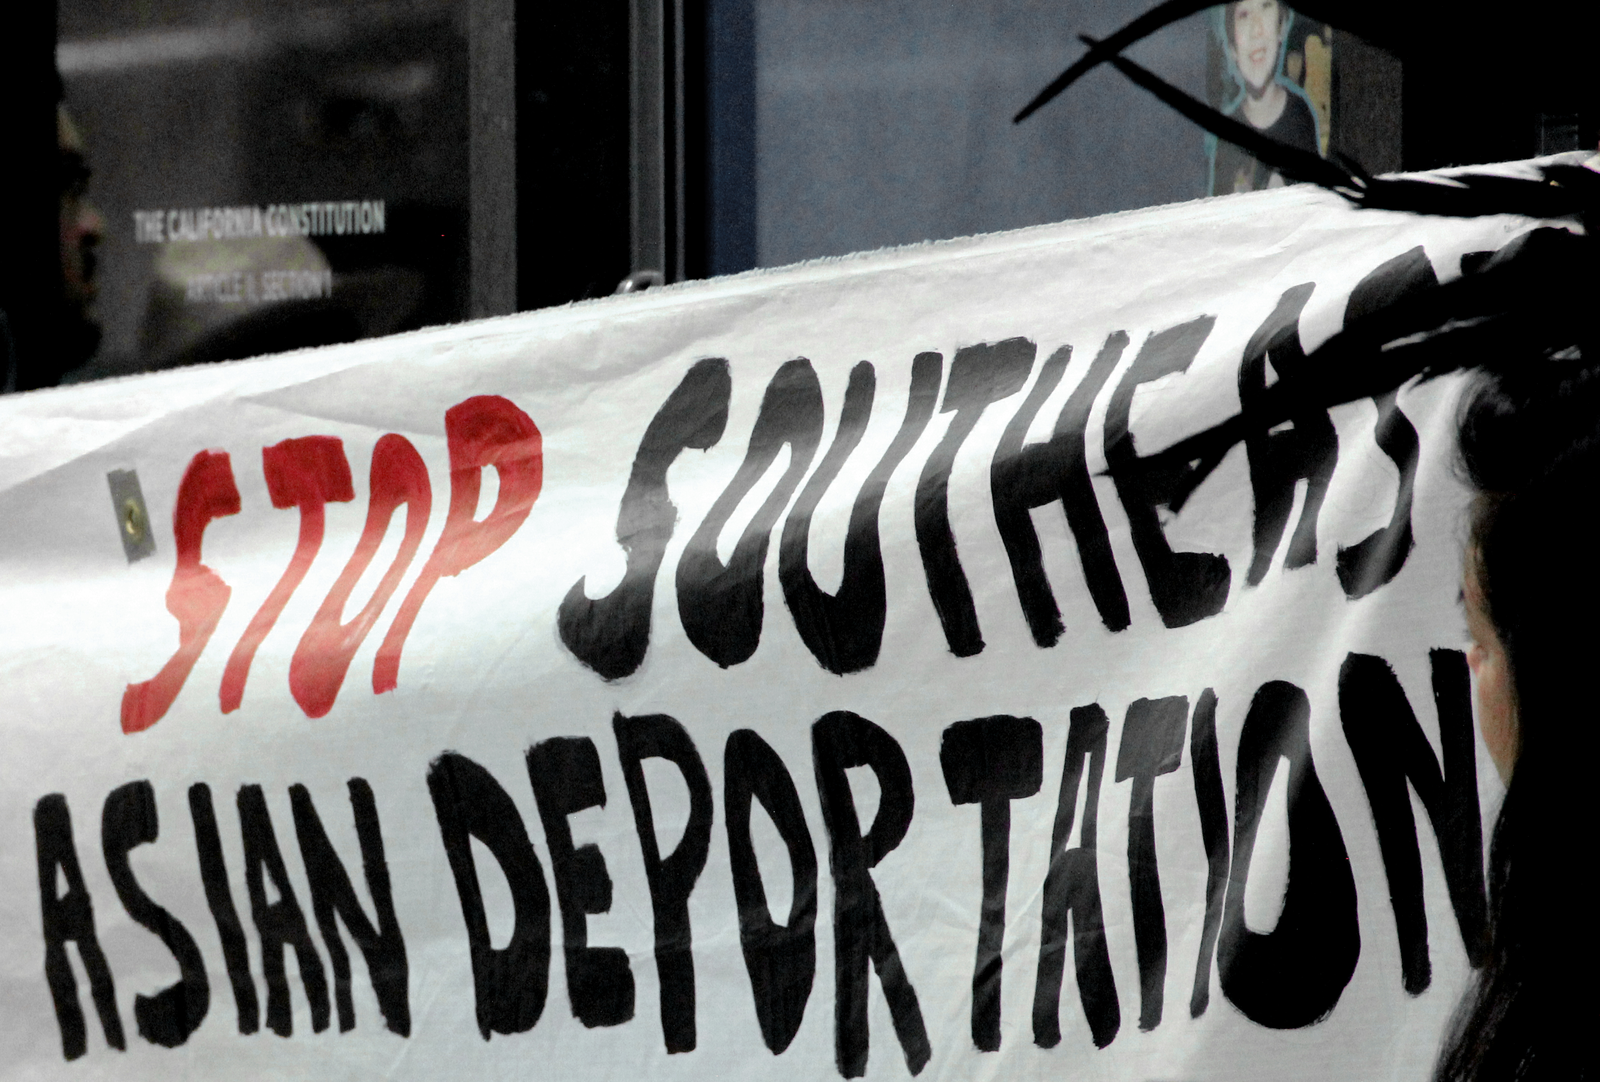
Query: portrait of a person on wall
1272	70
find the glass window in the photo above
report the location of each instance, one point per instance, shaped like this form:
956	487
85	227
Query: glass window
269	178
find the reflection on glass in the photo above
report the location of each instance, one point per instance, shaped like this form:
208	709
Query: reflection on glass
270	177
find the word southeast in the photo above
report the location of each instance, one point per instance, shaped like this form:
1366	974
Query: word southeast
720	603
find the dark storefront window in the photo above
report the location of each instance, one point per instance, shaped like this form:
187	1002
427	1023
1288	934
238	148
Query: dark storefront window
270	178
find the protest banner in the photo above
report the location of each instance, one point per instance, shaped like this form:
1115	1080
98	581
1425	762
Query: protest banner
793	675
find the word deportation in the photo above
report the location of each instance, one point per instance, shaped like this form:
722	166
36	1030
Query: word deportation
1288	977
327	219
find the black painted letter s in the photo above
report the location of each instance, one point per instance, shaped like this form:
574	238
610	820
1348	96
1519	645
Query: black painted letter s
612	633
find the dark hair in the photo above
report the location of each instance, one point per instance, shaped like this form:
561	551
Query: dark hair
1284	11
1530	447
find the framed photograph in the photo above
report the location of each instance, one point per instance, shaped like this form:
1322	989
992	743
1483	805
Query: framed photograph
1272	68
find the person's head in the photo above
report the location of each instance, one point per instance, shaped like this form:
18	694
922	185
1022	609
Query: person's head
77	335
1256	30
1530	447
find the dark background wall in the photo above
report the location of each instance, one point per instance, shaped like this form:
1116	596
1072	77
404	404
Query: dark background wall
889	121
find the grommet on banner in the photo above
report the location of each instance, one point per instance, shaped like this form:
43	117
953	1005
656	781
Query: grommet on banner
640	280
133	520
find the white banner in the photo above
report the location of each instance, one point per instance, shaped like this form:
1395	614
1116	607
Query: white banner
793	675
